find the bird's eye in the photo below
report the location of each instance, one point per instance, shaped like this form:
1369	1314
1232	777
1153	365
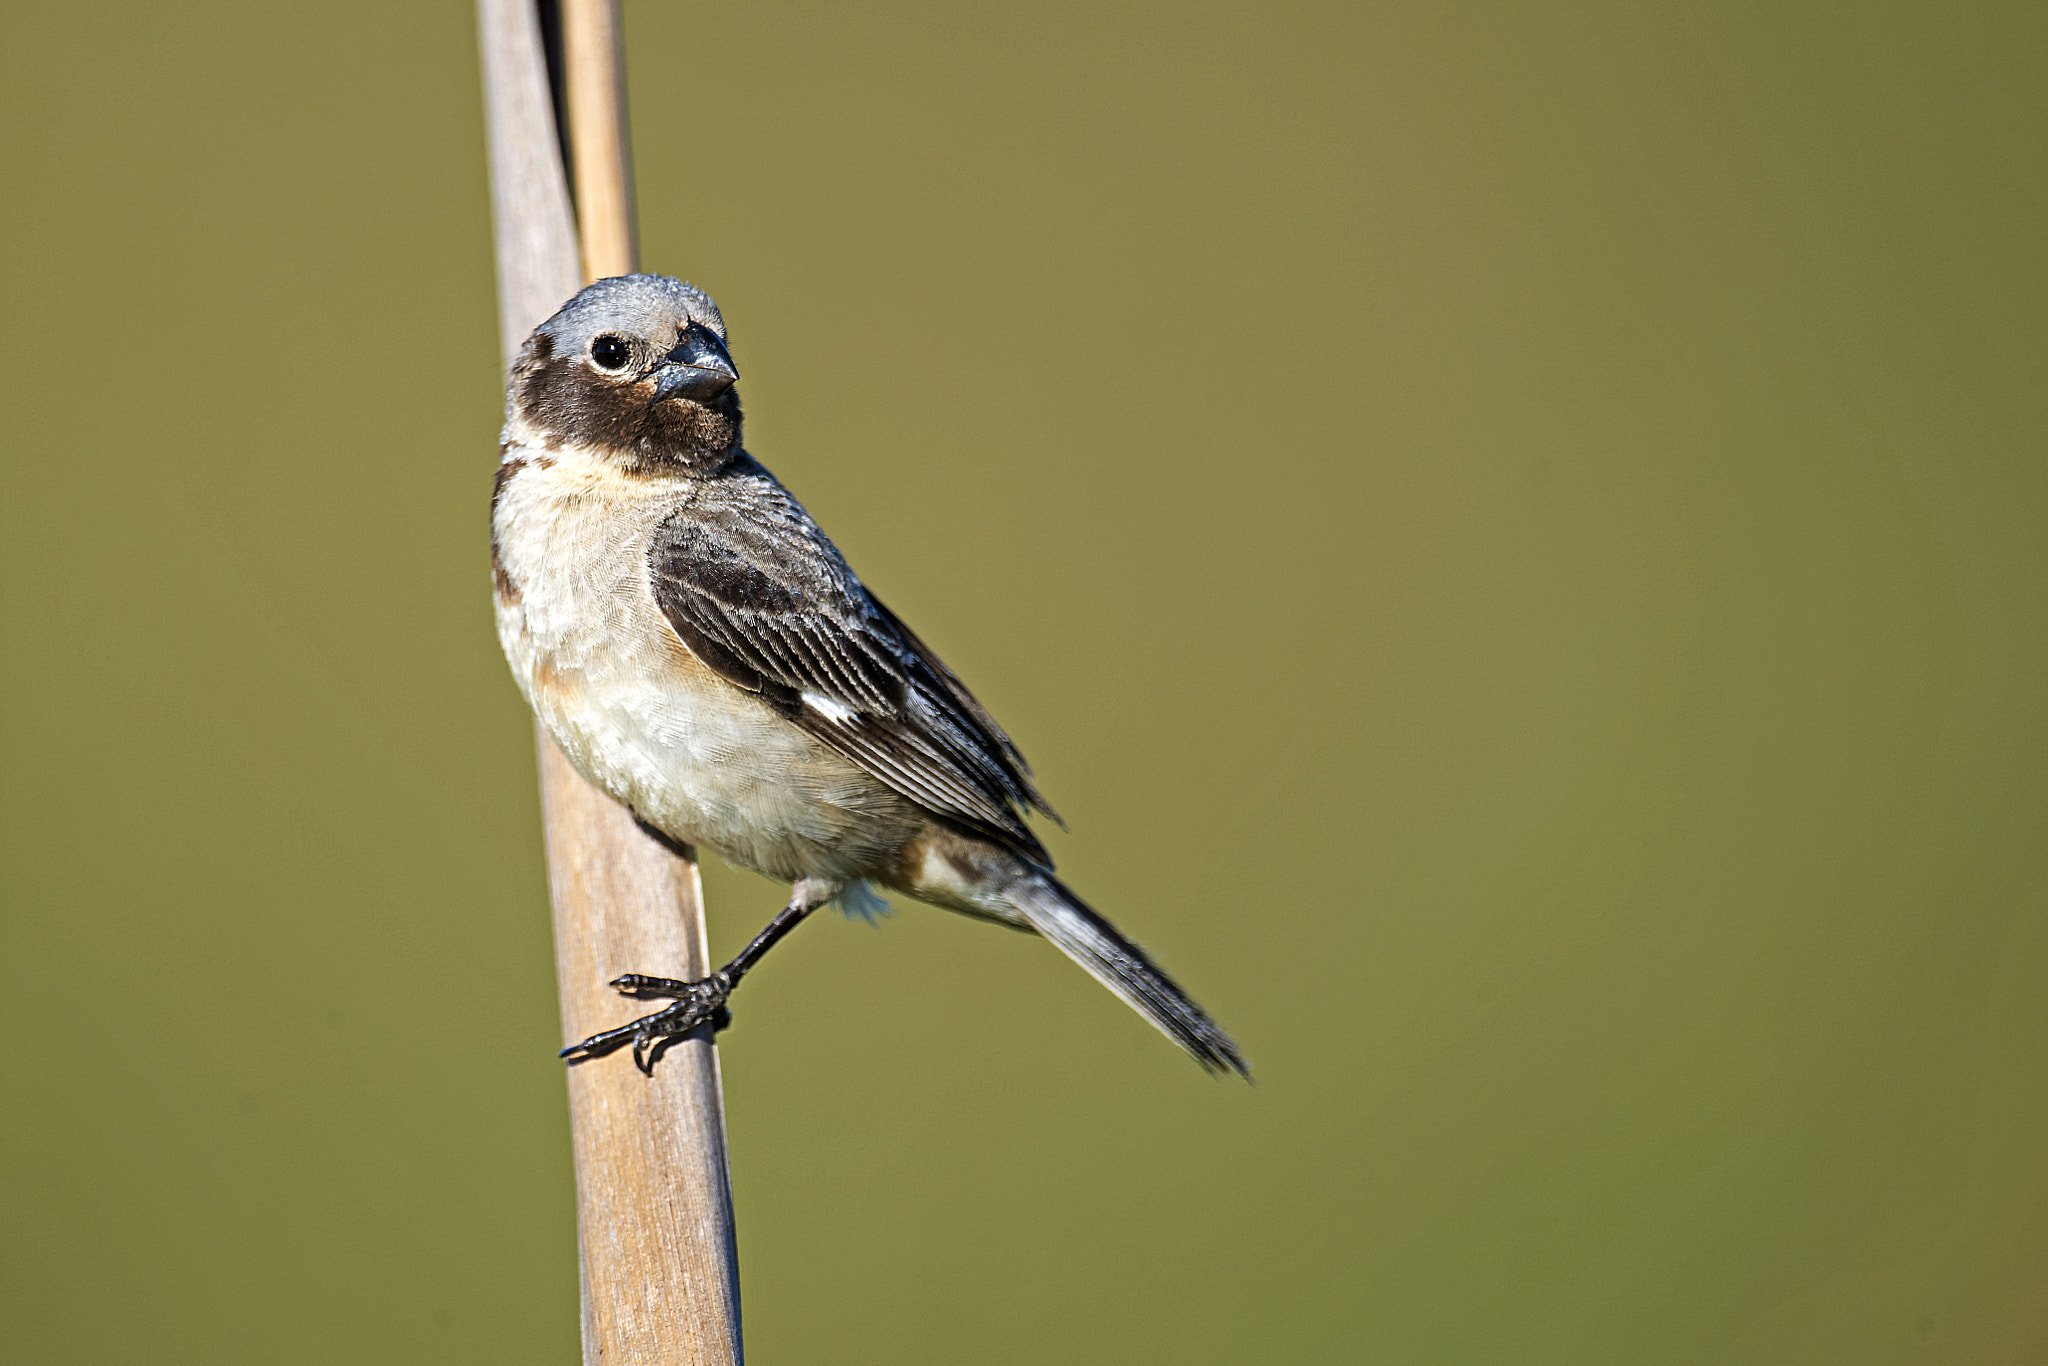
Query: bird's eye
610	352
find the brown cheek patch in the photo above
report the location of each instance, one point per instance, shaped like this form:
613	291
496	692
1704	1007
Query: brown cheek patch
566	400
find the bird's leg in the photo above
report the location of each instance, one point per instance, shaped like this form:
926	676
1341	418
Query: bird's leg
696	1003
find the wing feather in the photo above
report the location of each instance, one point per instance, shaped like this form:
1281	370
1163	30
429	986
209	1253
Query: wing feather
756	591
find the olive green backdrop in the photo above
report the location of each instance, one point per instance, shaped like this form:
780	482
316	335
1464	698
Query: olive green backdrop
1516	535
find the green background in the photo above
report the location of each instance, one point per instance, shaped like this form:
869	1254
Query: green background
1516	535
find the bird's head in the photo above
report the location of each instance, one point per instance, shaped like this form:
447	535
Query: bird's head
635	370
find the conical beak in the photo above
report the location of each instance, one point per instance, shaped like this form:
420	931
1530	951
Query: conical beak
699	368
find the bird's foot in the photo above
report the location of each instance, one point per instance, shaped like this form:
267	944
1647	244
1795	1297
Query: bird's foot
697	1004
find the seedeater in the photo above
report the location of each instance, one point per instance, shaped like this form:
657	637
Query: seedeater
701	652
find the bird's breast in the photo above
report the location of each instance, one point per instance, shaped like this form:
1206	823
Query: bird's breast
634	710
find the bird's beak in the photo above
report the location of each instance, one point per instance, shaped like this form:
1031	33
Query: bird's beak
699	368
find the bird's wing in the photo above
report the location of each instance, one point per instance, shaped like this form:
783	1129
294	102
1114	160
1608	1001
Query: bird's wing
766	601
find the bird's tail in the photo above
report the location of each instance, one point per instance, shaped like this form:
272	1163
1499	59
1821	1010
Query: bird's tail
1122	966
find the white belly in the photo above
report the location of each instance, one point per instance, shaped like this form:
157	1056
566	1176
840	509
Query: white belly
637	713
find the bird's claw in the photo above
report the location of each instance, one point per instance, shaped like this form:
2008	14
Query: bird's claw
697	1004
641	987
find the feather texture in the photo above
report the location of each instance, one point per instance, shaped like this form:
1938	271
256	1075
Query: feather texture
757	592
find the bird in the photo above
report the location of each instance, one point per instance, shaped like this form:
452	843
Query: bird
701	652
